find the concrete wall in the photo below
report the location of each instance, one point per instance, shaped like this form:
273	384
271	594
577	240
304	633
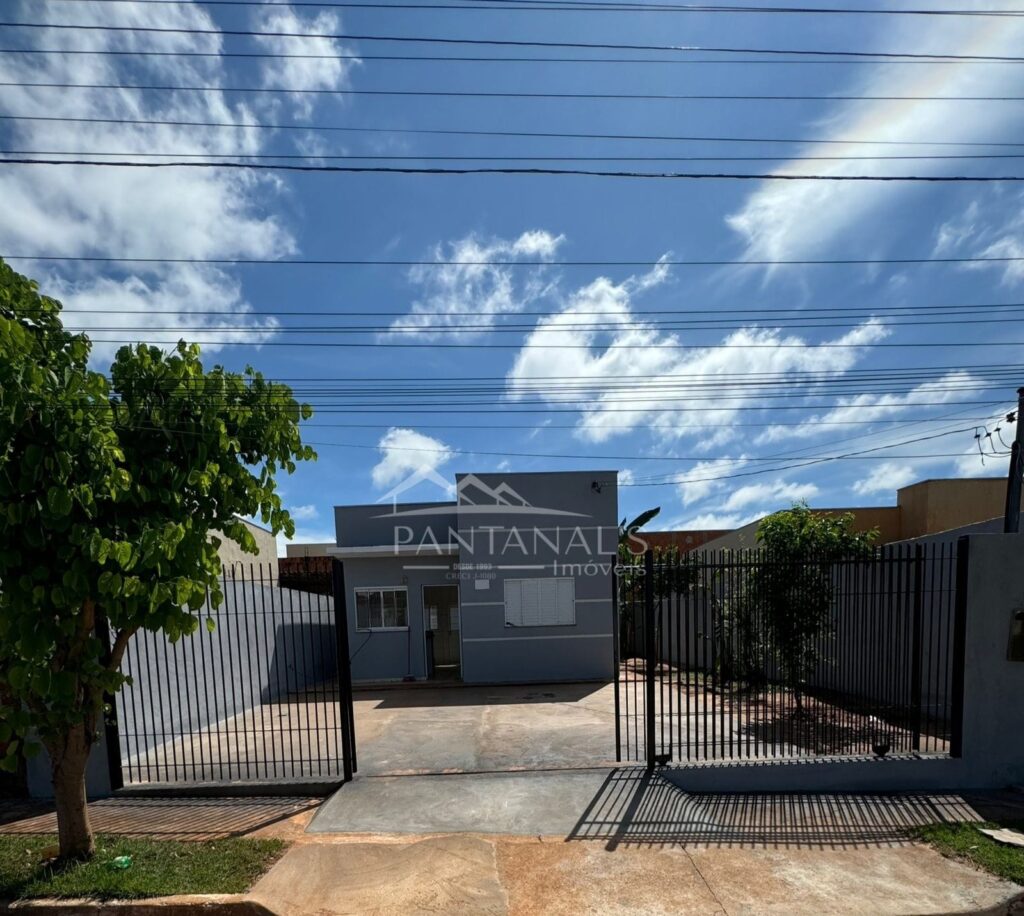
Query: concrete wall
231	554
932	506
885	518
993	752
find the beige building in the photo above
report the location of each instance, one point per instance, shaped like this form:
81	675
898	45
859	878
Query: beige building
231	555
926	507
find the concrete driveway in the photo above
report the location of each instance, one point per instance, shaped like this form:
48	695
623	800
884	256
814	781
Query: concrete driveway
403	731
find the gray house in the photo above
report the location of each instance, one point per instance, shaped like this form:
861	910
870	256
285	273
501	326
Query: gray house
510	581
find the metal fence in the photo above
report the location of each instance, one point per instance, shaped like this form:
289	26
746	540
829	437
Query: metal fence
744	655
258	697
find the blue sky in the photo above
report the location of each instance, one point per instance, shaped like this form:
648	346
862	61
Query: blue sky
231	214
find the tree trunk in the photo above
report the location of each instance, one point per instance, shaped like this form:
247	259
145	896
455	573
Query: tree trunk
69	759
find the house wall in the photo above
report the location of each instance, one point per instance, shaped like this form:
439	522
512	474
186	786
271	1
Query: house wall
586	546
375	525
386	655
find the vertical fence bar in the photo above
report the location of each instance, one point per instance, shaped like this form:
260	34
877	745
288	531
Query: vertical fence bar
348	738
616	657
649	655
915	660
956	744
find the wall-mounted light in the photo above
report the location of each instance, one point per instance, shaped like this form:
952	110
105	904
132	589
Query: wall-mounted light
595	486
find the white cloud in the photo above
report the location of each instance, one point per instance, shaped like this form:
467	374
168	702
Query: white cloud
700	481
315	73
951	387
719	521
480	292
405	452
626	477
886	478
794	219
649	366
304	513
90	211
992	226
777	493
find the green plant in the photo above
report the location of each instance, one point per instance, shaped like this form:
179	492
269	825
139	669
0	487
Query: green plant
111	491
792	584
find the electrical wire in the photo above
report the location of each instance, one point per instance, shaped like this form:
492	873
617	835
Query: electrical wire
589	6
506	42
518	94
448	59
504	133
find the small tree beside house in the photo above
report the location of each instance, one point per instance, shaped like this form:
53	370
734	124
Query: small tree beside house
792	585
110	489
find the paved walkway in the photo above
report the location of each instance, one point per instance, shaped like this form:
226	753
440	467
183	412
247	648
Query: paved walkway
468	875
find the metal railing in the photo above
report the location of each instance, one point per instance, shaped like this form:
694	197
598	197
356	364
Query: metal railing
740	654
259	697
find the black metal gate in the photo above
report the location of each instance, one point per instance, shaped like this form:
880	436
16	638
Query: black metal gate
263	695
712	666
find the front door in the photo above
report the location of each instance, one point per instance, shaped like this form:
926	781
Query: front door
441	622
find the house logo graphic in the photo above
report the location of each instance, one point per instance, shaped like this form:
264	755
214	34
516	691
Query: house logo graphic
472	496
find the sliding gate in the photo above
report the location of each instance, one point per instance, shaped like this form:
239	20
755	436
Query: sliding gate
261	693
736	654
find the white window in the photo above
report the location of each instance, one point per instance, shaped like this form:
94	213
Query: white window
540	602
382	609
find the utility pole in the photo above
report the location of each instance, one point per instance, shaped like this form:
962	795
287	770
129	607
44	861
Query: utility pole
1011	524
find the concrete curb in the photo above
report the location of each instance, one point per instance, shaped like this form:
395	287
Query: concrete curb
211	904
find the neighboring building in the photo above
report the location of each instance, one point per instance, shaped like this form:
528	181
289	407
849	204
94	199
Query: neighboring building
308	550
923	508
265	559
685	541
510	582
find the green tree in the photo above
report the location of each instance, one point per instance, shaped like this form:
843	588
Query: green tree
793	587
112	495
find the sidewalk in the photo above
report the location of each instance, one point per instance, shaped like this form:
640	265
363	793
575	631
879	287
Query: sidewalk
617	843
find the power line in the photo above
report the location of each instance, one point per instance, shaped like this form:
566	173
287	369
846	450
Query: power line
482	94
814	461
590	173
583	346
740	314
504	59
350	157
371	262
665	326
588	6
505	42
506	133
628	426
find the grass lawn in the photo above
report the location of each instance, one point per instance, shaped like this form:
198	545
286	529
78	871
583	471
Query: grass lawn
159	867
965	841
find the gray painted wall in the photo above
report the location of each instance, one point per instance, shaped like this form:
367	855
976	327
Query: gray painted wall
569	528
374	525
392	654
585	545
